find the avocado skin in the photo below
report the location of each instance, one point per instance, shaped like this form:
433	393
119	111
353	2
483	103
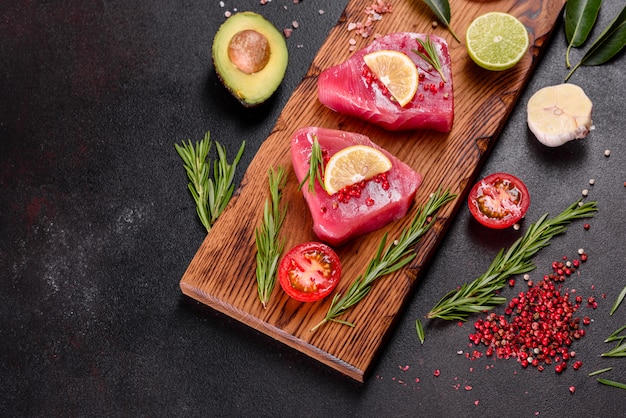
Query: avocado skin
250	89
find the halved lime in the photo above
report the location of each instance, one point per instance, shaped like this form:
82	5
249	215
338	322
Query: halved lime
496	41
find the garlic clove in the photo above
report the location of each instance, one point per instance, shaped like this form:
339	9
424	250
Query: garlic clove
559	114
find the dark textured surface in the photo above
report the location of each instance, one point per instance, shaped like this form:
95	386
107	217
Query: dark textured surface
97	228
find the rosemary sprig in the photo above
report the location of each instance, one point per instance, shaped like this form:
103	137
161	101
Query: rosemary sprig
398	254
480	295
269	247
316	167
430	55
211	195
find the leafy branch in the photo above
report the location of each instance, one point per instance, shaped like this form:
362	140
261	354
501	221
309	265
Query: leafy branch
607	45
387	260
269	247
580	16
480	295
211	194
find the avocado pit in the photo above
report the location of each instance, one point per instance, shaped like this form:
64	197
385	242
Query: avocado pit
249	51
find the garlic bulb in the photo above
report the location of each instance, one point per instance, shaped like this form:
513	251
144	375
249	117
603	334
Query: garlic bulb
559	114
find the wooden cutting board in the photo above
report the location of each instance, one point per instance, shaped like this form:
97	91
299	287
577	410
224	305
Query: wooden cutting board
222	273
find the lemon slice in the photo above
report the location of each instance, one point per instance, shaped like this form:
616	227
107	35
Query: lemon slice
352	165
396	71
496	41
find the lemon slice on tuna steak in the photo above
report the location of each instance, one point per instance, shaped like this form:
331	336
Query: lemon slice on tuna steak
396	72
352	165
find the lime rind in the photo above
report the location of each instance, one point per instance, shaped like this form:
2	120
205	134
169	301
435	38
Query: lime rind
497	41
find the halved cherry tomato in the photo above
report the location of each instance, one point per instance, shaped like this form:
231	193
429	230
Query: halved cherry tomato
499	200
309	271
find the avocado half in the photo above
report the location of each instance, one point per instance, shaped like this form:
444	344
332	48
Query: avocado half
250	57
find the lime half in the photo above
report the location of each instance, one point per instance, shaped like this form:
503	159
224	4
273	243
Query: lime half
496	41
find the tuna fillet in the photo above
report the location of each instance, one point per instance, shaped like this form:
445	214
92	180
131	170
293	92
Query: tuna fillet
335	221
346	88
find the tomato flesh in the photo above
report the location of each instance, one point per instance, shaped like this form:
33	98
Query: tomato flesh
499	200
309	271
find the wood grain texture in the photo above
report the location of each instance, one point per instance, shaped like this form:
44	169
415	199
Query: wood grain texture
222	273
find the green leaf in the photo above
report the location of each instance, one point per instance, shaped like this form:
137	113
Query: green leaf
419	329
618	301
441	8
613	383
580	16
607	45
597	372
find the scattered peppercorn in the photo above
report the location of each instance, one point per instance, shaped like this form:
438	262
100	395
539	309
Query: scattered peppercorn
538	326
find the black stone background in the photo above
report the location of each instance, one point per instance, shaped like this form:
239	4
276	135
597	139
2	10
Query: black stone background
97	228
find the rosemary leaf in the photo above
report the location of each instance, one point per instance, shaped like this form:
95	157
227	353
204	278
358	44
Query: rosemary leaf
430	55
387	259
619	300
612	383
600	371
269	247
480	294
419	328
211	194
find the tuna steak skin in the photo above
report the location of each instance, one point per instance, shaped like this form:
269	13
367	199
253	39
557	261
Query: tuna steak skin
336	222
346	89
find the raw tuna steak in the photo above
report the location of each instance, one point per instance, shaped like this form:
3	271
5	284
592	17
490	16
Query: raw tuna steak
348	88
335	221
